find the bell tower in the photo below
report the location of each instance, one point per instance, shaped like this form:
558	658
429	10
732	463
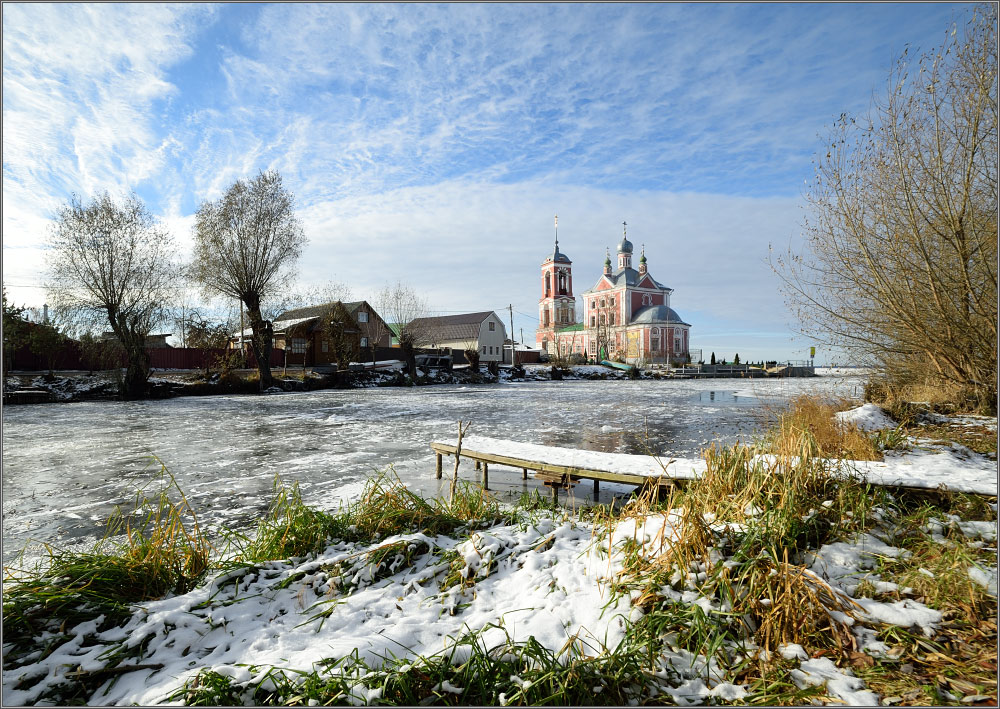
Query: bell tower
557	306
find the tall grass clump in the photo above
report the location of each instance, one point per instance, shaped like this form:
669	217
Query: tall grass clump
740	535
386	507
829	437
155	549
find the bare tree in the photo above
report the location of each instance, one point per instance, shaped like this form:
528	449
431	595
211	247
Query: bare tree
111	264
900	264
245	246
399	305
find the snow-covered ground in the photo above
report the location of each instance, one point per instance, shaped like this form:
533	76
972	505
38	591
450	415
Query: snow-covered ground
549	579
65	466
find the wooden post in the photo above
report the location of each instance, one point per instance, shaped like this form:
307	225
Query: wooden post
524	474
555	494
597	488
437	467
486	476
479	465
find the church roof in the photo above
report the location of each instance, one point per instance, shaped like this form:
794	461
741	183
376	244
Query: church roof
629	277
558	256
655	314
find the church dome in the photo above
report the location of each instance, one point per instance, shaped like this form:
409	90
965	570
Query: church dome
624	246
657	314
558	256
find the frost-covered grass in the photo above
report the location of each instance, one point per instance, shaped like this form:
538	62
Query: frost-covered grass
777	578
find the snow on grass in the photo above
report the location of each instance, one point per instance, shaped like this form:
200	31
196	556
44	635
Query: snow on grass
956	468
867	417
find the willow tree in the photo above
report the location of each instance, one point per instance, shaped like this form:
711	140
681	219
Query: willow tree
111	266
246	244
401	307
900	258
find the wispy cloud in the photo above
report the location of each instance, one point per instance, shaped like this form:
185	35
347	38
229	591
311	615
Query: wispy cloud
433	142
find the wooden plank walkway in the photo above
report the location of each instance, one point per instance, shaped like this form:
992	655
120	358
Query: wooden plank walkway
552	475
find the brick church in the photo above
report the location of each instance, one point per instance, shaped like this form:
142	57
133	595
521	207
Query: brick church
626	314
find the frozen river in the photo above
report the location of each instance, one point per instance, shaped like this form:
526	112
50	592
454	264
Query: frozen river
65	466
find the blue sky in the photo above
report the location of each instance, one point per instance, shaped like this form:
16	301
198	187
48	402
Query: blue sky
434	143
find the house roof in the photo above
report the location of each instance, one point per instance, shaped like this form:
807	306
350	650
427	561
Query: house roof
445	328
314	311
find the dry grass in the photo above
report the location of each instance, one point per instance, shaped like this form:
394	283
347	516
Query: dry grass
831	438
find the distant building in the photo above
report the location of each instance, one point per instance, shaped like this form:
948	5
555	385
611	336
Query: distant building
483	331
306	340
626	314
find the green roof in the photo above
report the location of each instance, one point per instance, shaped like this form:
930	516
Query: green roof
572	328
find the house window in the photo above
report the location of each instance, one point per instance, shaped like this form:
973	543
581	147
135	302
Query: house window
298	345
364	342
326	346
362	316
484	349
493	326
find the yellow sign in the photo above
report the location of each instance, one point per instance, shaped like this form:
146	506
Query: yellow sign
633	344
812	351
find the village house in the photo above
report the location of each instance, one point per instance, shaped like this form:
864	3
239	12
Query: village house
307	338
626	314
482	331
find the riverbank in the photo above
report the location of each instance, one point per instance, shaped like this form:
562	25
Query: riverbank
36	387
777	578
61	387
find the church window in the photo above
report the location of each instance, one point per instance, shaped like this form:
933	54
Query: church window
602	302
593	347
593	303
548	284
593	321
654	339
362	316
545	319
611	301
612	318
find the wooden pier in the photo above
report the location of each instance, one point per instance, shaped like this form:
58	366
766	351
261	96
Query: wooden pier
553	475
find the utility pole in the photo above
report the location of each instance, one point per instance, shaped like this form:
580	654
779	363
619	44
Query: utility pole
513	352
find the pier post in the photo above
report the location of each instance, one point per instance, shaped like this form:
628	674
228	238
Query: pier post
437	467
479	464
555	494
486	476
524	474
597	488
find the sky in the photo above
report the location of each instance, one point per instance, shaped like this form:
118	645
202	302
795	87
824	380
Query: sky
434	144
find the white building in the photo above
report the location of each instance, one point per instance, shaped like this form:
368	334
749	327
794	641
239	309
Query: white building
484	331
